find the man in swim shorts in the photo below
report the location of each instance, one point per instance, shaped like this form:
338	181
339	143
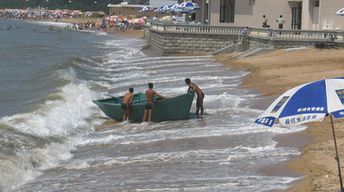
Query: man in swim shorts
200	95
127	100
150	93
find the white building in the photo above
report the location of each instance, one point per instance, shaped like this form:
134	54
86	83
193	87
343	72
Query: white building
159	3
298	14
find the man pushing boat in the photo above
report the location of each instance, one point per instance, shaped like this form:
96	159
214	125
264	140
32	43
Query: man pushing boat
150	93
200	95
126	102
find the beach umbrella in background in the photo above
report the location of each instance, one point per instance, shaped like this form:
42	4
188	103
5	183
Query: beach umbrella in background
144	9
188	6
307	103
340	12
175	8
163	9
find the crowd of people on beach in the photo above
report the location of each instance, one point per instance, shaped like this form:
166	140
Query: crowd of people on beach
123	23
104	23
44	14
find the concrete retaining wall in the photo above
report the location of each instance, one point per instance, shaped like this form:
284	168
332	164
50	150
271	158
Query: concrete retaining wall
166	43
146	34
284	44
172	43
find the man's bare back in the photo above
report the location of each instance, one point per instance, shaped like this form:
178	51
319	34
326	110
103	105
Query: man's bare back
127	98
150	95
200	95
195	88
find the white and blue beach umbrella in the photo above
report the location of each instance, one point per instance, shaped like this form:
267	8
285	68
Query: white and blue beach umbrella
144	9
188	6
306	103
175	8
163	9
340	12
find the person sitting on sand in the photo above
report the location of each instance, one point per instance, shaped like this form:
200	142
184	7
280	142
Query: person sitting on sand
150	93
200	95
127	100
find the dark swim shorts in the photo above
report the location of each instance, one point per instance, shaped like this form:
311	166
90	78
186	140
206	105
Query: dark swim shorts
199	102
149	106
124	106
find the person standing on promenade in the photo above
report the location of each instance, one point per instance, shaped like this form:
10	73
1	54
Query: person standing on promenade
280	22
127	100
265	22
246	31
150	93
200	95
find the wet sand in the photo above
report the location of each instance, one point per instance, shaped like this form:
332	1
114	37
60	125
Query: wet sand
276	72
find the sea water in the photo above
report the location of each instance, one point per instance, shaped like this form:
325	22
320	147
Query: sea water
53	138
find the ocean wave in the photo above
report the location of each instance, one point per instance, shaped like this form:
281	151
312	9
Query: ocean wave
230	156
62	115
57	117
143	134
23	167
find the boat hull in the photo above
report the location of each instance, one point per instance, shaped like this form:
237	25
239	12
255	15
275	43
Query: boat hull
174	108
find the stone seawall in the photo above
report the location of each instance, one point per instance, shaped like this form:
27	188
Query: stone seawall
283	44
179	43
146	33
172	40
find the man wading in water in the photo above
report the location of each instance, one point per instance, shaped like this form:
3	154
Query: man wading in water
150	93
200	95
127	100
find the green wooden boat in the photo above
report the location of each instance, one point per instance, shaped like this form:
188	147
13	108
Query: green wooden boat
174	108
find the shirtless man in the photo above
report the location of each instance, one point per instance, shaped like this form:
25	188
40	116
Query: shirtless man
150	93
127	100
200	95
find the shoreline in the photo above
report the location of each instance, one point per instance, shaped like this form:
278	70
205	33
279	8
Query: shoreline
112	31
273	73
61	23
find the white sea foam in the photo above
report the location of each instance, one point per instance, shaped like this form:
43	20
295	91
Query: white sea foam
27	165
158	60
66	114
58	117
219	156
225	98
157	133
51	23
240	183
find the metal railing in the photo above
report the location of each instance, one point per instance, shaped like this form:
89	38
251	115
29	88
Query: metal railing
294	35
260	33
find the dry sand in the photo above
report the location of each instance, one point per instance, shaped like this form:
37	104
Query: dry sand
275	72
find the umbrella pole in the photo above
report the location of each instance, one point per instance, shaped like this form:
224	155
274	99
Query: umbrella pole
337	156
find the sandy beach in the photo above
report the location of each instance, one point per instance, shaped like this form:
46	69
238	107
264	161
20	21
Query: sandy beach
127	33
276	72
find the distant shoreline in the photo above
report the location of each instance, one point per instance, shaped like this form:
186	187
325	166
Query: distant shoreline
64	22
